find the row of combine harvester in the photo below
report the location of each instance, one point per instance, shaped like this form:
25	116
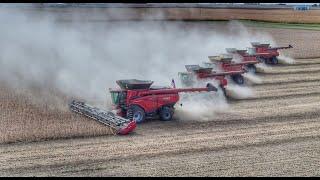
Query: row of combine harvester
137	100
233	65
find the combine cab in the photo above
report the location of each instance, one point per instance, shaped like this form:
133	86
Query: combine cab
224	62
266	53
248	60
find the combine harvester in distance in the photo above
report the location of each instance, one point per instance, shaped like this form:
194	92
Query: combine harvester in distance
247	59
224	63
266	53
196	73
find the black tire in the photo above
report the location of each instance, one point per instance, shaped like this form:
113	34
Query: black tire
274	60
268	61
238	79
251	68
136	113
166	113
261	59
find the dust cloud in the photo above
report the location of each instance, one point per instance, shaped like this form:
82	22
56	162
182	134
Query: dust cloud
239	92
251	78
53	61
282	59
263	68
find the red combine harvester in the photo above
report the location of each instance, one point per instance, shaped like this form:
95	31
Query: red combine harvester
195	73
137	99
248	60
133	102
266	53
225	64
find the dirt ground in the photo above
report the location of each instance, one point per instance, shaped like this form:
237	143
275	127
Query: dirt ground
101	14
274	133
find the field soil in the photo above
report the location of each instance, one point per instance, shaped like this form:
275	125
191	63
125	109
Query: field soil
274	133
102	14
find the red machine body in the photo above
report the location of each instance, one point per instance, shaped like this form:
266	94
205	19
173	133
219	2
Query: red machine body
247	60
227	65
235	70
232	67
218	76
149	101
246	57
207	73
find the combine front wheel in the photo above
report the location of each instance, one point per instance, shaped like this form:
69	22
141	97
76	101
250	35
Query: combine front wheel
238	79
136	113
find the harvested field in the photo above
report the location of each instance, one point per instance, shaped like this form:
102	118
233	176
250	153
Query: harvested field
274	133
305	42
101	14
22	120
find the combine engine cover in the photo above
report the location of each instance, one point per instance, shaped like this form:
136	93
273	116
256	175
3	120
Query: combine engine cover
121	125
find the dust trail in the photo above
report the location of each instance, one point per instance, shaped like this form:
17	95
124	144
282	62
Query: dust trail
282	59
251	78
238	92
201	106
263	68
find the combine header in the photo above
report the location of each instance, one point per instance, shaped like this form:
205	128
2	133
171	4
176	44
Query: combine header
248	60
224	63
120	125
266	53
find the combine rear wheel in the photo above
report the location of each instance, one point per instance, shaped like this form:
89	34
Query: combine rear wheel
274	60
261	59
238	79
136	113
166	113
251	68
